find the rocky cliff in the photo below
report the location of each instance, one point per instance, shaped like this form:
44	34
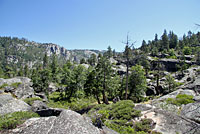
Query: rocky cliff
21	51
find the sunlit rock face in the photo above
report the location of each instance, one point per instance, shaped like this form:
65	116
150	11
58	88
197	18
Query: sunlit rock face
68	122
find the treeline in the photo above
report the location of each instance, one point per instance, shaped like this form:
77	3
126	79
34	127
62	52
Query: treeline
100	79
169	43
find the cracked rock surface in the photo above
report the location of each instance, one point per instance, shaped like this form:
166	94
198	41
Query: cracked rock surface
68	122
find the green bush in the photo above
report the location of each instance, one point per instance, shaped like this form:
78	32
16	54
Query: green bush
198	71
58	104
143	125
10	121
187	50
83	103
116	116
74	104
123	110
119	127
180	99
4	85
31	100
16	84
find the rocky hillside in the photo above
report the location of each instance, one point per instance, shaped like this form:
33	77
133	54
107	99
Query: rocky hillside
21	51
158	115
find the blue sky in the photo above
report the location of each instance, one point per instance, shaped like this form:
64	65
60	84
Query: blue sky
95	24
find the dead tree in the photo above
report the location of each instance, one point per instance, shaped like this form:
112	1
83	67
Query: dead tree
127	55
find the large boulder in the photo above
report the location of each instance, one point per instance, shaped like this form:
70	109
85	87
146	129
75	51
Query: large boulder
23	91
171	64
15	80
175	93
68	122
167	122
8	104
38	106
192	111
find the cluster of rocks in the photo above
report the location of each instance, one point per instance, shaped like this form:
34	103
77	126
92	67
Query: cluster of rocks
51	120
168	122
183	119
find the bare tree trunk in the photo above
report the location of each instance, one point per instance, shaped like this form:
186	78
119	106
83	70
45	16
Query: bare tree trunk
127	75
105	99
98	100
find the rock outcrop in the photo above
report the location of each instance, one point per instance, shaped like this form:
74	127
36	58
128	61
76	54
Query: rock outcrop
22	90
68	122
14	80
192	111
167	122
8	104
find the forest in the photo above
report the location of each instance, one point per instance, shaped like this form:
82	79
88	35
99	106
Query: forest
99	84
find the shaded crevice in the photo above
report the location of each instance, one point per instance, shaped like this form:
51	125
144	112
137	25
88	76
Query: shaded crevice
49	112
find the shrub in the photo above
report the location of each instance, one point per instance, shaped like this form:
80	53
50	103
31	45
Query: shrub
180	99
116	116
31	100
4	85
58	104
187	50
143	125
75	104
10	121
16	84
122	110
119	127
79	104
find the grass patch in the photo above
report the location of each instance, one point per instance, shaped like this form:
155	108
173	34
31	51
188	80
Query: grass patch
74	104
4	85
180	99
31	100
16	84
10	121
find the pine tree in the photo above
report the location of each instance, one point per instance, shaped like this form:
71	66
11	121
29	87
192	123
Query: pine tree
82	61
137	83
26	71
45	61
54	69
198	57
92	60
1	72
165	41
144	46
173	40
127	55
20	72
92	85
109	52
171	83
103	69
9	71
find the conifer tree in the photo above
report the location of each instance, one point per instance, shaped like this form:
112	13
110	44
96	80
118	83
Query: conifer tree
1	72
8	71
109	52
164	41
92	60
137	83
26	71
54	69
92	85
45	61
